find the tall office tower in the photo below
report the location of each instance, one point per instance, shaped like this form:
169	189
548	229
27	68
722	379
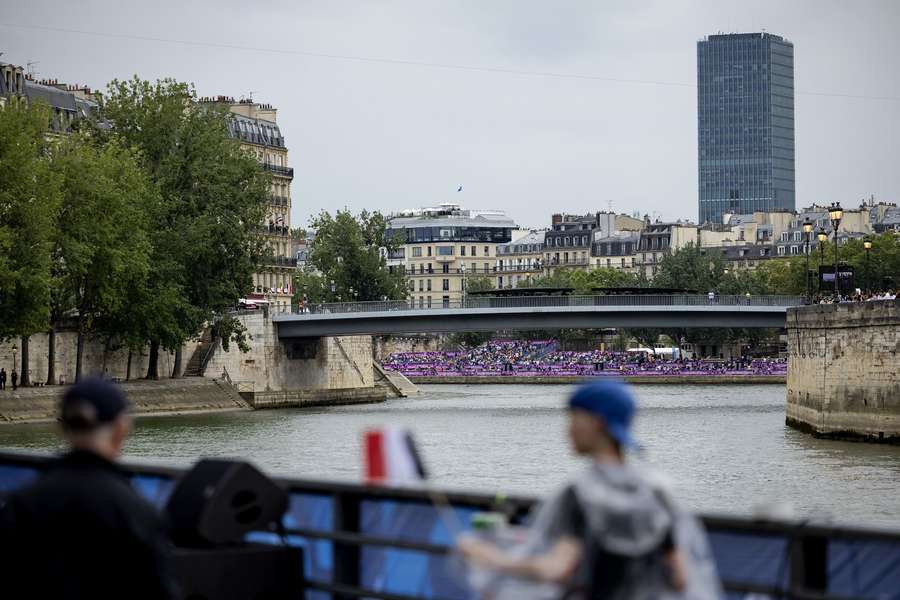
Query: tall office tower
745	124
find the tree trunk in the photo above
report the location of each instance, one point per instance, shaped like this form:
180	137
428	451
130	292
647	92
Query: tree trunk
51	356
176	370
128	367
153	361
79	356
24	379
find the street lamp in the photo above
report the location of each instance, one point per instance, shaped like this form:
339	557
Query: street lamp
822	236
807	231
463	269
15	356
835	213
867	244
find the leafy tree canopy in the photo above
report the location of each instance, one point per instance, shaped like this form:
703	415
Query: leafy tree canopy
348	260
29	196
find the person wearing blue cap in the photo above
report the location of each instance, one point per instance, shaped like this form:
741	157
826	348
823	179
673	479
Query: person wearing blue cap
81	531
605	534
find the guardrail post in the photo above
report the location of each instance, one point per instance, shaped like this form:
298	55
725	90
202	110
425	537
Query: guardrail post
346	556
808	566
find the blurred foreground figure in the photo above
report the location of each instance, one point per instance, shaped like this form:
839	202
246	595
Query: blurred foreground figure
610	533
81	531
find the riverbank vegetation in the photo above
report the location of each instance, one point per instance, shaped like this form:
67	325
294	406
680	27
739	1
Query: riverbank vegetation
140	226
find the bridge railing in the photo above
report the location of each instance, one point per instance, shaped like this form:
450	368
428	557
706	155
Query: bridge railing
473	302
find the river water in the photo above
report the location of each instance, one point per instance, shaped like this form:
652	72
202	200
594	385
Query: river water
725	449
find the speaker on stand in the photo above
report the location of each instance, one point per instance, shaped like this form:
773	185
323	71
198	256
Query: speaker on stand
213	507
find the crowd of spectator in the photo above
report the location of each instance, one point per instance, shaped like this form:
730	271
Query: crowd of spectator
857	296
544	358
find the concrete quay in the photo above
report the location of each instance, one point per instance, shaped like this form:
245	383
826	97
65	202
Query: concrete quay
162	397
843	379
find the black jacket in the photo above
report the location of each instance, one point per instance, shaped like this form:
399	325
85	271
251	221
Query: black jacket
81	531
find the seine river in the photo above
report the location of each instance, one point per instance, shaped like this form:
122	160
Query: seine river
724	448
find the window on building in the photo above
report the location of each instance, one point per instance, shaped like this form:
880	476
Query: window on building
500	283
487	267
445	285
445	251
446	267
473	248
445	301
487	251
421	285
421	301
428	303
417	251
430	270
429	250
462	250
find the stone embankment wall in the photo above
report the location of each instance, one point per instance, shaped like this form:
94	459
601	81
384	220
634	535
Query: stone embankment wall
98	358
844	370
334	370
172	396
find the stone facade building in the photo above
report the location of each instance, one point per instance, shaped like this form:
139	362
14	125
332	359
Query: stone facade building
521	260
441	248
254	125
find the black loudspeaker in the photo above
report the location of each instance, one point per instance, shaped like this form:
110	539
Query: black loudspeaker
219	501
249	572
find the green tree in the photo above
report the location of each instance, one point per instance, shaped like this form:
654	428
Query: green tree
205	238
352	252
479	283
29	195
102	247
691	268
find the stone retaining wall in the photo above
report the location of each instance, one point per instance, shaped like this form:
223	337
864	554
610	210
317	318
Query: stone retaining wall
173	396
98	358
306	398
844	370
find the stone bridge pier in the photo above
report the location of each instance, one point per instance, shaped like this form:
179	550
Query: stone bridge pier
844	370
301	372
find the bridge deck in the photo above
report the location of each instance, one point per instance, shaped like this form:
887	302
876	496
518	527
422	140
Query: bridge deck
582	312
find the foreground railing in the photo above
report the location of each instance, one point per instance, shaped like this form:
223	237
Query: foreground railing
473	302
390	543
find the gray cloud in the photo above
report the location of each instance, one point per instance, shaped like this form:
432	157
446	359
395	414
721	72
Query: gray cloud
387	136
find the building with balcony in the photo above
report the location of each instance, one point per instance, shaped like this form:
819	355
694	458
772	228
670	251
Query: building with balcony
616	251
68	103
521	260
660	239
441	248
255	127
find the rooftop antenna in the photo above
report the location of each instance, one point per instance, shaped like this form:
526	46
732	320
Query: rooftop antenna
250	95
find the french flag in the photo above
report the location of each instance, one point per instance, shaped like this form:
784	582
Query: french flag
391	457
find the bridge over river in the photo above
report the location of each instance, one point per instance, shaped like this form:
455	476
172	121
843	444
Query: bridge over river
535	312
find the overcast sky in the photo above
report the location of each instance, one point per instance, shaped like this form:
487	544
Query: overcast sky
383	135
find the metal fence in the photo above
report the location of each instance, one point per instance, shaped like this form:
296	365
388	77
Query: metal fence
353	534
636	300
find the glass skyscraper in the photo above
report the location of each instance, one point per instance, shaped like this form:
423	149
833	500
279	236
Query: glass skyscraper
745	124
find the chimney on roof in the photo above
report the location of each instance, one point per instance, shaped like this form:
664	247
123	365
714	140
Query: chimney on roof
556	219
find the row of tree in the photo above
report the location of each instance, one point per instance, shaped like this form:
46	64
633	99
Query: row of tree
139	227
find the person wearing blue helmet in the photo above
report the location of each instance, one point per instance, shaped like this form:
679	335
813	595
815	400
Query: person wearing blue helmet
606	533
